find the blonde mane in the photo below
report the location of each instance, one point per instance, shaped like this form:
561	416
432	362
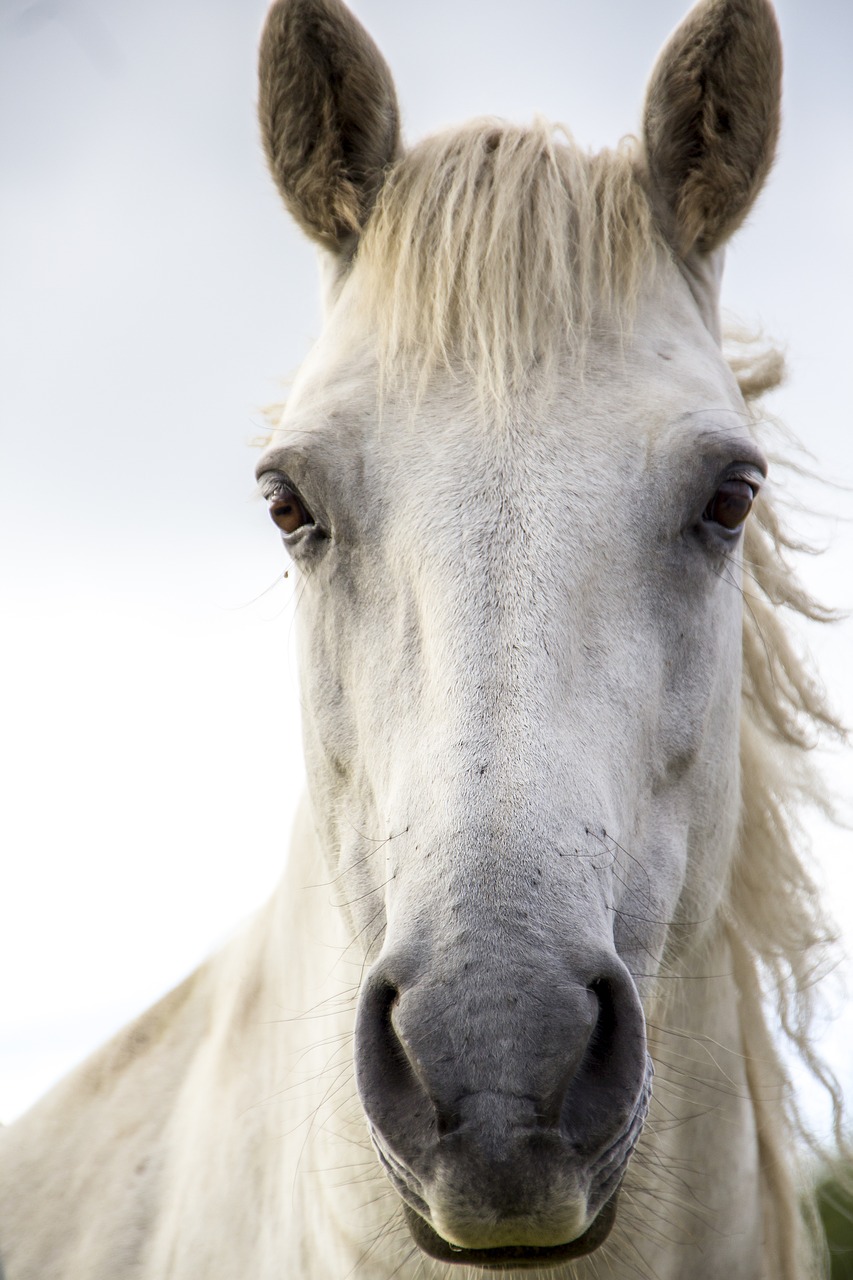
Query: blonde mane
782	939
489	211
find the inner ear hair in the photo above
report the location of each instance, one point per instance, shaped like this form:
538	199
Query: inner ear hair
712	120
328	115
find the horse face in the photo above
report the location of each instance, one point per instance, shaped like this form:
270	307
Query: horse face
520	640
520	664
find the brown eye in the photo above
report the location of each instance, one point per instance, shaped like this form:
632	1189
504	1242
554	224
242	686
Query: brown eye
288	511
731	504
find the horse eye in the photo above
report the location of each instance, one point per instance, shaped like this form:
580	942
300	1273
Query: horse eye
288	511
731	504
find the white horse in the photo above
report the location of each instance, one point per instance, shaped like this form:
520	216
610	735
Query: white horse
513	1005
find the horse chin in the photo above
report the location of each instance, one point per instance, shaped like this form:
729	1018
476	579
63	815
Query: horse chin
512	1257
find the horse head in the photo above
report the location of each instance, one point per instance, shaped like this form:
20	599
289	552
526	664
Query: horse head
514	475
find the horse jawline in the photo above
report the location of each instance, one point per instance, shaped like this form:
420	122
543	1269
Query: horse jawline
513	1256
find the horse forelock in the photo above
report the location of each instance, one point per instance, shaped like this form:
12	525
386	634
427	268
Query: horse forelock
493	248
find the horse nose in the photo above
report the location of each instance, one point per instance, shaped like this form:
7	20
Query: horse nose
490	1063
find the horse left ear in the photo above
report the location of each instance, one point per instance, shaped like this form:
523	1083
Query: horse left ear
712	120
329	117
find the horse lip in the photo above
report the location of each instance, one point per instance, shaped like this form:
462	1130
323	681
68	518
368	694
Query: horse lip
512	1257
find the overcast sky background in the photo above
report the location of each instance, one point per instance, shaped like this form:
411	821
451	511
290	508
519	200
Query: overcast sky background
153	295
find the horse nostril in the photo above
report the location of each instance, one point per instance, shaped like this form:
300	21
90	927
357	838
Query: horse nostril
386	996
447	1120
601	1042
391	1046
608	1083
394	1097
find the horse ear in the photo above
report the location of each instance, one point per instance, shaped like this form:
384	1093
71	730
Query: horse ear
712	120
328	115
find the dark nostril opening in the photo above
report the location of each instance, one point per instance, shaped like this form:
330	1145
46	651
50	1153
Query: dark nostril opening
393	1097
401	1069
601	1042
386	998
609	1082
447	1120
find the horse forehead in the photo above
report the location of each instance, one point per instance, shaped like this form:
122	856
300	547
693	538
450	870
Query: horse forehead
662	347
611	409
621	420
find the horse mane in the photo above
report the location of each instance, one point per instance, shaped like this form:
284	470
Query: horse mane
488	211
781	937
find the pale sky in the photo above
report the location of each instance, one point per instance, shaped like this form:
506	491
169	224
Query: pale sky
153	295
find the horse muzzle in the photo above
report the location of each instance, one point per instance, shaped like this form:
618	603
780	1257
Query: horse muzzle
504	1115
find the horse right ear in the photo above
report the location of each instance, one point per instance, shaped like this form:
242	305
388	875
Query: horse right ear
328	115
712	120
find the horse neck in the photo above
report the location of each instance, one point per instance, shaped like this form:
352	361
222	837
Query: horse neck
262	1086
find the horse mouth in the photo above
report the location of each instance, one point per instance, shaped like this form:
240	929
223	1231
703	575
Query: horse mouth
512	1257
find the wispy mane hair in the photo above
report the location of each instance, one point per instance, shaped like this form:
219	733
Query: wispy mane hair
492	248
781	939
